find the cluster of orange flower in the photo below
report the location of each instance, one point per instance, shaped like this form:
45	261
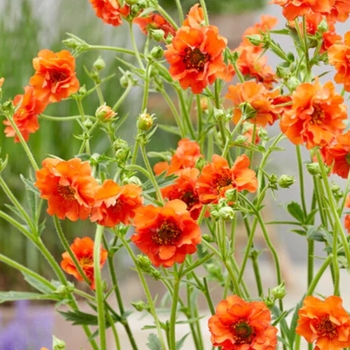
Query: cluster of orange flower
54	80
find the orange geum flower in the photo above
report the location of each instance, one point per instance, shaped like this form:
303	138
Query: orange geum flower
242	325
316	115
166	234
115	204
295	8
184	188
347	216
195	17
185	156
217	177
324	321
110	11
26	114
337	155
55	77
196	57
154	21
258	97
83	249
339	57
68	187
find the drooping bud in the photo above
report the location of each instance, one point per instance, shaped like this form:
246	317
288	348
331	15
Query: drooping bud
285	181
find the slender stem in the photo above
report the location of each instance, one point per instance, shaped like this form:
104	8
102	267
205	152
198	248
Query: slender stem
134	45
123	96
185	113
301	180
205	12
150	172
114	330
99	290
146	290
179	9
146	87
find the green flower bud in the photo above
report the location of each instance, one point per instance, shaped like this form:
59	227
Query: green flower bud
285	181
313	168
156	53
293	83
58	344
227	213
145	121
99	64
255	39
279	292
140	306
157	35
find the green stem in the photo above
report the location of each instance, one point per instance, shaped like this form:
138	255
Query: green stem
179	10
185	113
123	96
301	180
146	290
134	45
99	291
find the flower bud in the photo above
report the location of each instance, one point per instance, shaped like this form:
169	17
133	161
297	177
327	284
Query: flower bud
226	213
58	344
285	181
99	64
255	39
273	181
204	103
293	83
122	150
140	306
131	2
145	121
313	168
134	180
156	53
104	113
279	292
219	114
157	34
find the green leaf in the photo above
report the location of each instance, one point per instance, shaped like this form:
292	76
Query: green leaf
169	128
295	210
153	342
29	184
80	318
38	285
293	324
180	343
13	296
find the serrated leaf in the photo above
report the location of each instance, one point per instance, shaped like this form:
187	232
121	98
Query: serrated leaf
29	185
179	344
80	318
295	210
153	342
14	296
315	233
38	285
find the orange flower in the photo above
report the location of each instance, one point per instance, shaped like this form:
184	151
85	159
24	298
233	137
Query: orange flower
347	216
83	249
166	234
339	57
340	11
184	188
267	23
316	115
110	11
185	156
217	177
26	115
115	204
154	21
241	325
253	66
195	17
2	81
295	8
68	186
337	153
196	57
325	322
54	77
258	97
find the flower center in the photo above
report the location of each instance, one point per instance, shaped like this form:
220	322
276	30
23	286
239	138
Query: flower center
57	76
66	192
242	332
195	59
167	234
317	116
223	180
189	198
326	328
86	260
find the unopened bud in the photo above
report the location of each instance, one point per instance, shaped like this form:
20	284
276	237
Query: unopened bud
204	103
157	53
58	344
140	306
145	121
279	292
313	168
255	39
157	34
104	113
99	64
285	181
226	213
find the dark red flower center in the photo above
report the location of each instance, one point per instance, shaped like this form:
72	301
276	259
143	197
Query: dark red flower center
190	198
167	234
57	76
195	59
242	332
66	192
317	116
222	180
326	328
